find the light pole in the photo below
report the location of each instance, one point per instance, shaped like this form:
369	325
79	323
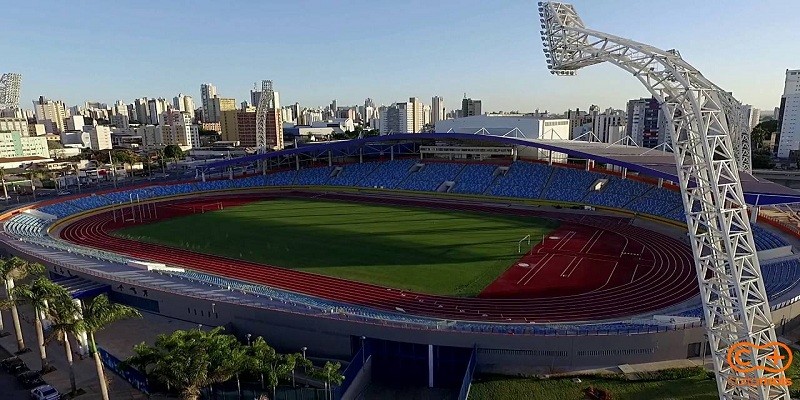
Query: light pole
303	349
248	339
363	350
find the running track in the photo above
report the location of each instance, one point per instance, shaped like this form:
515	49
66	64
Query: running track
666	278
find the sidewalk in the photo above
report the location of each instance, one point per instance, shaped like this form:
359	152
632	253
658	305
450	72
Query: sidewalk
119	339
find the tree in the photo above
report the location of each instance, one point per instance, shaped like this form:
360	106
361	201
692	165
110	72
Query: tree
96	315
190	360
267	363
174	152
330	374
13	269
39	294
65	316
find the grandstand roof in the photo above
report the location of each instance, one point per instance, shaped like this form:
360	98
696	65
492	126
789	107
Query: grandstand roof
650	162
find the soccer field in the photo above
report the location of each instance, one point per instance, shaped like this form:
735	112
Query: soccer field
424	250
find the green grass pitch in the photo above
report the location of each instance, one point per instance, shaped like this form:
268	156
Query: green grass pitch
424	250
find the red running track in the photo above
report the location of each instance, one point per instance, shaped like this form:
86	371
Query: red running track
663	276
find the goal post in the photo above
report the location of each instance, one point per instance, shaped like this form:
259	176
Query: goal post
527	239
211	207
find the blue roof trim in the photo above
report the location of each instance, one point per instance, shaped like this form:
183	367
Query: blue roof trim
752	198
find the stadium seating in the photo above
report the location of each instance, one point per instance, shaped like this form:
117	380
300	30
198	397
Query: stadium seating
765	239
313	176
352	174
283	178
780	276
523	179
617	192
388	174
569	184
26	225
431	176
474	178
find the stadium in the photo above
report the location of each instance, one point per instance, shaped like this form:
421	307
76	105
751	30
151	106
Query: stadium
444	252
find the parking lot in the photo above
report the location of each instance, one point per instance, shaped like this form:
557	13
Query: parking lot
12	390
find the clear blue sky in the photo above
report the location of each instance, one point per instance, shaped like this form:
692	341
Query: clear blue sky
316	51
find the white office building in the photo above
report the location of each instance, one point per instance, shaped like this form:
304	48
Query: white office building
789	117
51	114
513	125
99	137
178	129
750	116
438	111
184	103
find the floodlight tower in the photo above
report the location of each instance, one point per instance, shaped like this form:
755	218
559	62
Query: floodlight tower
265	104
699	116
9	90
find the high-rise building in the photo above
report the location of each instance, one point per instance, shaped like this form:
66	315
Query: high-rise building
156	107
438	111
470	107
789	117
142	111
610	125
239	126
208	92
99	137
51	114
417	120
246	127
9	90
216	106
120	121
16	125
184	103
152	135
17	144
644	122
750	116
178	129
397	118
255	96
74	123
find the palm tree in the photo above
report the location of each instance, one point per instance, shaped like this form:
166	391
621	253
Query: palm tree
264	361
331	375
190	360
96	315
38	294
3	180
13	269
65	315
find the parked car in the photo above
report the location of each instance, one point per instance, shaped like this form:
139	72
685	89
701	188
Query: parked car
17	369
45	392
30	379
11	362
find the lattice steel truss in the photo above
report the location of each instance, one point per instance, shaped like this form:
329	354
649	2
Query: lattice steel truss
265	104
9	90
732	290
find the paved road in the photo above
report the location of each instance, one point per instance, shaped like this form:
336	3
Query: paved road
11	389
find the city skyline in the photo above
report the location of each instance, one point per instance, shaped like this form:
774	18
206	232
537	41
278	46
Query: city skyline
363	55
